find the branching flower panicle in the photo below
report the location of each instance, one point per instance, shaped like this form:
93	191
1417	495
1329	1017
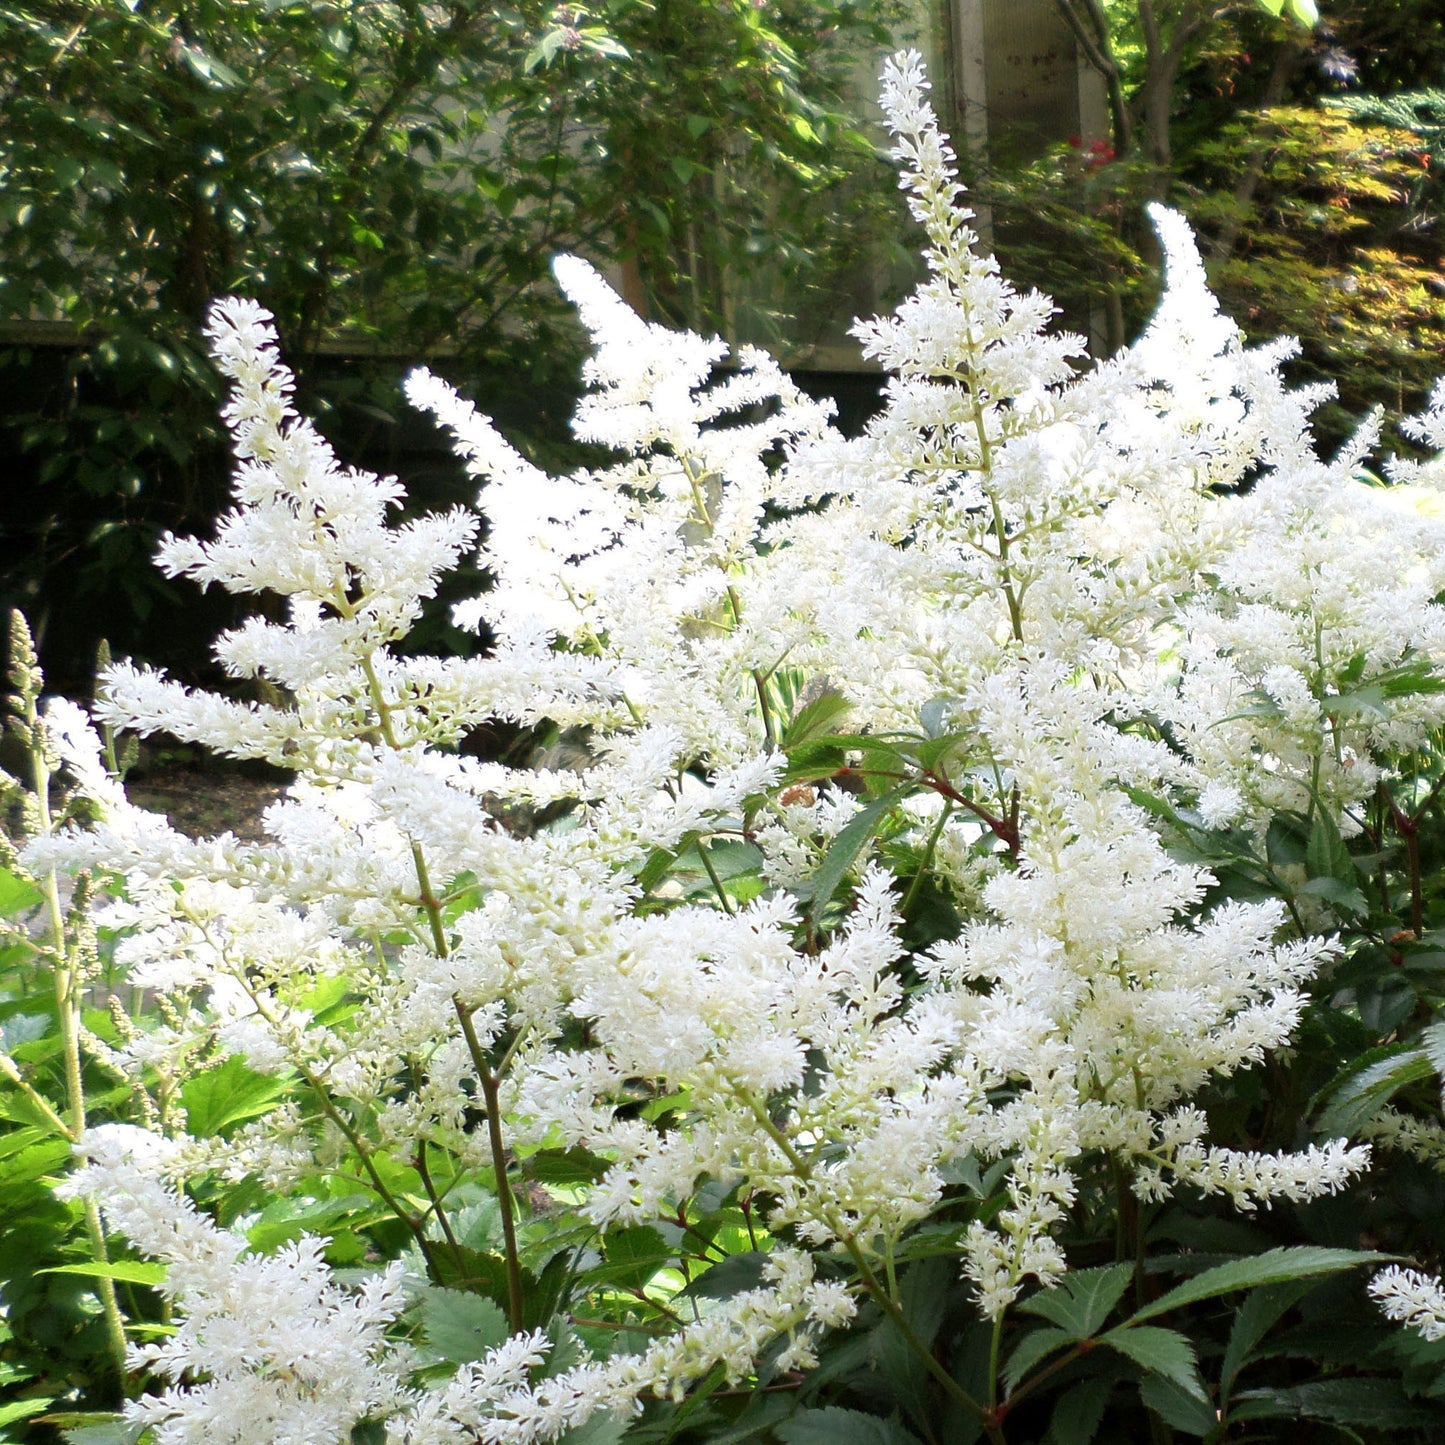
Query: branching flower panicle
991	648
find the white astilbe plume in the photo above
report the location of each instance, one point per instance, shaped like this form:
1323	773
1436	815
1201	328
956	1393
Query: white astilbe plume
1428	430
658	554
1412	1299
1052	611
266	1347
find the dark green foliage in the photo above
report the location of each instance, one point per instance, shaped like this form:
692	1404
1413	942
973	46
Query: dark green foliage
391	181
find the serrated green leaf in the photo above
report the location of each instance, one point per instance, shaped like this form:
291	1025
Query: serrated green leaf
17	894
661	859
1081	1302
107	1430
1374	1402
1259	1314
1345	896
1284	843
1410	679
289	1219
812	761
1432	1041
1326	855
937	753
460	1327
228	1095
815	720
18	1108
566	1167
1361	1097
601	1429
836	1426
1365	701
846	847
1079	1411
730	1276
23	1409
1274	1266
933	715
634	1255
1160	1351
1263	705
36	1161
1035	1346
1179	1408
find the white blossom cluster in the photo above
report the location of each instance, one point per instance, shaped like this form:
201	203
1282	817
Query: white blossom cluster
266	1346
1077	588
1411	1299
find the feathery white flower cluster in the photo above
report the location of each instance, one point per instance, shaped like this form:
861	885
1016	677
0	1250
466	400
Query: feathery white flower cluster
1411	1299
1042	596
265	1346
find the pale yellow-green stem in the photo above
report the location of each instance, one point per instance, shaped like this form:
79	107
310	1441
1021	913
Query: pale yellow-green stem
262	1005
487	1077
67	1012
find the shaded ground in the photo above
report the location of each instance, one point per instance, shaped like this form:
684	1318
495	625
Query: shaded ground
205	801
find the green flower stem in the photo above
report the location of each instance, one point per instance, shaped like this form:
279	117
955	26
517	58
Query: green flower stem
328	1107
990	1418
994	1343
491	1092
926	861
489	1079
711	871
68	983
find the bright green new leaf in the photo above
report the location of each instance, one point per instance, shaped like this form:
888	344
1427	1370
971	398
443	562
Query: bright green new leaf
460	1327
1304	11
228	1095
633	1256
17	894
128	1271
815	720
290	1218
23	1409
846	847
